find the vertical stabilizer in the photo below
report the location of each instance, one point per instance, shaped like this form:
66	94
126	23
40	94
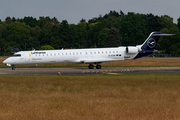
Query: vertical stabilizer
149	45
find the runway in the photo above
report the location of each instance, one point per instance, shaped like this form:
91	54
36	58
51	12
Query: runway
86	71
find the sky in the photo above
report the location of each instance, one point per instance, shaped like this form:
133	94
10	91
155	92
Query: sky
74	10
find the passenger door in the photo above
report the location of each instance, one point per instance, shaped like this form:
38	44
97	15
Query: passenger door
27	56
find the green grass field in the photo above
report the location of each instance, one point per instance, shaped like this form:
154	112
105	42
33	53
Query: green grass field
104	97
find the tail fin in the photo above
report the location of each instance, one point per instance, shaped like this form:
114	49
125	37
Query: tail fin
148	46
152	40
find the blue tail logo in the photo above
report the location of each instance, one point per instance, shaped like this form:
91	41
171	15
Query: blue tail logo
151	43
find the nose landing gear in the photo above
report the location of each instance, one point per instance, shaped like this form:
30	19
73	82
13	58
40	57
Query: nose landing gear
13	67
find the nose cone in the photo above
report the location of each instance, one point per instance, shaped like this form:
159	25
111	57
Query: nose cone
7	61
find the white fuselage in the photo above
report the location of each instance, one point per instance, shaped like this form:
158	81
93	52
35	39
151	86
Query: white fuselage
88	56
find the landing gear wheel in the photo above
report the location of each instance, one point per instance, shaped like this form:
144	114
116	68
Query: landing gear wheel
98	66
91	66
13	67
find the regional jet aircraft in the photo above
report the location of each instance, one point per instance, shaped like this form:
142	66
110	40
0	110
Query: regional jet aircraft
88	56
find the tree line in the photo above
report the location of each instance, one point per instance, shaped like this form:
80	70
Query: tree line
111	30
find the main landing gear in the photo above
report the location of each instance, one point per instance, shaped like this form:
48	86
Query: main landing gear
91	66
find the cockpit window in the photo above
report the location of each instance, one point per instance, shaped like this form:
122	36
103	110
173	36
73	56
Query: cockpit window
16	55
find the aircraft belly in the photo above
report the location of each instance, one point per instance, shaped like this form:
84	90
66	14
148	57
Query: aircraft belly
101	60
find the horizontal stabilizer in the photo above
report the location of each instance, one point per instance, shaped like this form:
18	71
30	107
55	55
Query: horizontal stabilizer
163	34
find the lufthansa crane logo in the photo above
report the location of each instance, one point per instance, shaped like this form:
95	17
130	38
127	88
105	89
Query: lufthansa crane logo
151	43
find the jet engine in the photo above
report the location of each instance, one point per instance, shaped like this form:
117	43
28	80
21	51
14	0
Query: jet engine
132	50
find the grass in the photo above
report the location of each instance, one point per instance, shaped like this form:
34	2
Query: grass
143	62
104	97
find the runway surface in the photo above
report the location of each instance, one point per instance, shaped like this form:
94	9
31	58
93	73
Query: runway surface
86	71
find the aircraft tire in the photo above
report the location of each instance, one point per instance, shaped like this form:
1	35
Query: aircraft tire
98	66
91	66
13	68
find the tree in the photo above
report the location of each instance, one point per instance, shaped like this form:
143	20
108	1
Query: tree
10	44
45	22
113	39
178	25
2	30
166	22
169	45
55	22
133	29
64	34
13	37
93	33
111	21
152	23
32	22
82	20
8	20
46	47
121	13
102	36
44	36
80	36
2	45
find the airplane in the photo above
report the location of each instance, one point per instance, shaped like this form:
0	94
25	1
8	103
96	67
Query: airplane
87	56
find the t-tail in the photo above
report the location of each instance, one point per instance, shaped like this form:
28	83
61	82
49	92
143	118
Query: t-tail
149	45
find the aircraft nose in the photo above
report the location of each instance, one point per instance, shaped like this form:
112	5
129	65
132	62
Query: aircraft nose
6	61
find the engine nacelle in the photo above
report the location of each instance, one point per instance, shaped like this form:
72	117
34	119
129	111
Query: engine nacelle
132	50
